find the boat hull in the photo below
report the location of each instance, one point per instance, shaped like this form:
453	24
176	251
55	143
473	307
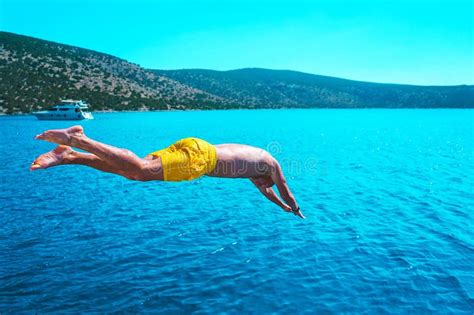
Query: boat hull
75	116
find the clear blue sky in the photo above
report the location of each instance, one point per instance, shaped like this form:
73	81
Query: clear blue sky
418	42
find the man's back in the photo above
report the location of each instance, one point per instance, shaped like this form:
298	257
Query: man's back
239	160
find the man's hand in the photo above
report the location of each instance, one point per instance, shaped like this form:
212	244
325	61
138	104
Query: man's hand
298	213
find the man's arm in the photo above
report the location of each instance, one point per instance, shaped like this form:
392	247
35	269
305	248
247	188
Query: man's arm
272	196
285	193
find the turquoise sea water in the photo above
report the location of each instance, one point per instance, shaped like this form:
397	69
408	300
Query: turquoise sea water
388	196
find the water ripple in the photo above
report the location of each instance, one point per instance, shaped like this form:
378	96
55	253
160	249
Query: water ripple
389	226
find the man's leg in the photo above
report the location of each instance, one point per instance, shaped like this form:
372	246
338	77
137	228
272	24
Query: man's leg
91	160
63	155
75	137
120	159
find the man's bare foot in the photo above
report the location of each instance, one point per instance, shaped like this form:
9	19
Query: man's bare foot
61	136
51	158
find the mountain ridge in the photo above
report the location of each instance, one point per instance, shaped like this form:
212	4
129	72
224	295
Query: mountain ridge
312	74
256	87
36	73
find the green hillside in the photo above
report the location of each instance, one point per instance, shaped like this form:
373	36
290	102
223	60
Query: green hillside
282	88
35	74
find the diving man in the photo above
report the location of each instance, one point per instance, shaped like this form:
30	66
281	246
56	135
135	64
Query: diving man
186	159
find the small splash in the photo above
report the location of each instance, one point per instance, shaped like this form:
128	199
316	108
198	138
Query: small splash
218	250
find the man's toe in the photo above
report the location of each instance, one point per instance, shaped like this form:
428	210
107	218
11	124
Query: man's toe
41	136
35	166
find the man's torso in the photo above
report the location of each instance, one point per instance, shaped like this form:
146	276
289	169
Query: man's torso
238	160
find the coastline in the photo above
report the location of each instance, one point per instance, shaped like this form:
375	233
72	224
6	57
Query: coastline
248	109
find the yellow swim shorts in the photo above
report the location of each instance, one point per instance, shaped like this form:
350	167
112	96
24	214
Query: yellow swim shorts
187	159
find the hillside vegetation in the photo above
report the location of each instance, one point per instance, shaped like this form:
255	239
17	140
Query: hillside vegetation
259	88
35	74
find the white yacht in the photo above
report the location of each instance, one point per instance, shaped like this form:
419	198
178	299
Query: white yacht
66	110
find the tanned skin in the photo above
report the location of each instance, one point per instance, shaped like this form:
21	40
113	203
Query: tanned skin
233	161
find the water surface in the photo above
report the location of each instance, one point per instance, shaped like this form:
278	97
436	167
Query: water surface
388	196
